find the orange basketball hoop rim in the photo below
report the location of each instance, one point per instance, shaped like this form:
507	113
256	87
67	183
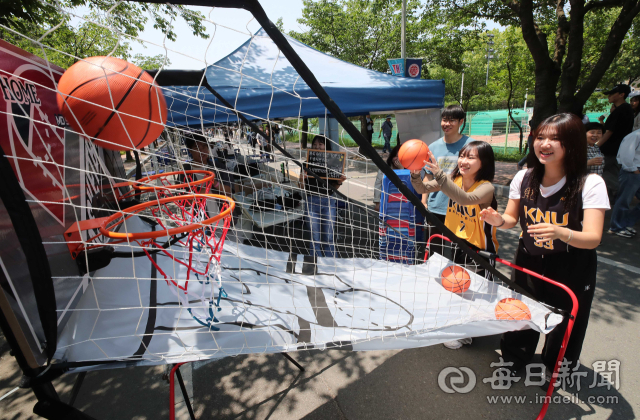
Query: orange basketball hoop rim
142	185
138	185
106	224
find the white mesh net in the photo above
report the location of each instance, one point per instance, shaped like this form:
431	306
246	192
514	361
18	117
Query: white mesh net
300	262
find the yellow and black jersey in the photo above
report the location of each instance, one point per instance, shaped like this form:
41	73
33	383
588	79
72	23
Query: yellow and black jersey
465	221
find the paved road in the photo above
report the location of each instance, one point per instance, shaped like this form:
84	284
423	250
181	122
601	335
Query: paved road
380	384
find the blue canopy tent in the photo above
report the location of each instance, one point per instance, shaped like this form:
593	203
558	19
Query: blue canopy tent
261	83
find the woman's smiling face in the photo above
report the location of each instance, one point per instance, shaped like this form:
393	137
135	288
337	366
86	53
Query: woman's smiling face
469	164
548	147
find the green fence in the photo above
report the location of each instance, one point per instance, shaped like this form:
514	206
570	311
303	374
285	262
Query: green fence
492	126
495	123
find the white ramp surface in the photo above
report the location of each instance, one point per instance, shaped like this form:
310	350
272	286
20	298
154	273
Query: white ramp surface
130	313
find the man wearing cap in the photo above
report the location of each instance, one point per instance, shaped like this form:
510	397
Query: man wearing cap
617	126
386	129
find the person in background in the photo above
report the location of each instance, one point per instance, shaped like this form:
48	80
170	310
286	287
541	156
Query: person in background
261	140
369	129
322	210
595	158
470	190
394	163
253	139
386	130
529	146
445	150
635	105
268	139
224	156
198	148
276	133
617	126
623	217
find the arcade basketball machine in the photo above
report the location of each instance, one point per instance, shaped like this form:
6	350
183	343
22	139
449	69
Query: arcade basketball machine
101	271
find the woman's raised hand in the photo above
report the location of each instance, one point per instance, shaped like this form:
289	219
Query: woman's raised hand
491	216
432	163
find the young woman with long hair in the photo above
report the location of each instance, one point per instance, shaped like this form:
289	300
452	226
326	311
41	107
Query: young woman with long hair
561	212
470	190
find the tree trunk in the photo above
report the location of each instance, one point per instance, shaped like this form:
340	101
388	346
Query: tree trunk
547	72
629	11
303	135
545	90
573	62
510	108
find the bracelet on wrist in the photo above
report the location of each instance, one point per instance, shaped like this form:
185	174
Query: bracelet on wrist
503	222
570	236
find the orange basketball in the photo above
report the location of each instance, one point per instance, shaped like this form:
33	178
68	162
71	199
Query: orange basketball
512	310
112	101
412	154
455	279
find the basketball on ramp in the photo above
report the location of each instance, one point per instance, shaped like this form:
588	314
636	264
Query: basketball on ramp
509	309
455	279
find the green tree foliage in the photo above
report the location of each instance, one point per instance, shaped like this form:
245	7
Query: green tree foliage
129	18
477	94
64	45
626	64
562	51
361	32
146	62
559	36
109	28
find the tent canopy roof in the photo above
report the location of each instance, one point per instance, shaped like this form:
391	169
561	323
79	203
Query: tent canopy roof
262	84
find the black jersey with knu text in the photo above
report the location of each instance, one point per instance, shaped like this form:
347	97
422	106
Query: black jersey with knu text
547	210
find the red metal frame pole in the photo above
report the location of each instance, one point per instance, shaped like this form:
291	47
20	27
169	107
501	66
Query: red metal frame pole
172	395
567	333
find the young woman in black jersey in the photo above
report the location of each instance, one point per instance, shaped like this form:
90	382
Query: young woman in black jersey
561	212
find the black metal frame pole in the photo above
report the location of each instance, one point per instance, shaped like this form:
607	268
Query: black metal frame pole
254	7
258	12
185	395
292	360
76	387
196	78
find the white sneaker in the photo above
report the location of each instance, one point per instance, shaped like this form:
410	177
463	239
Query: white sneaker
456	344
624	233
631	230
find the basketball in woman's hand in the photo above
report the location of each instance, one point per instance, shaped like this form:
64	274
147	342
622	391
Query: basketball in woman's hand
114	103
413	153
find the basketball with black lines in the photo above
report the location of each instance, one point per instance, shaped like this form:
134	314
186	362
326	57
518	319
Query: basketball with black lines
510	309
412	154
455	279
114	103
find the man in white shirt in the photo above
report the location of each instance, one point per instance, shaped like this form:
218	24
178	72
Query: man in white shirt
635	104
623	217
